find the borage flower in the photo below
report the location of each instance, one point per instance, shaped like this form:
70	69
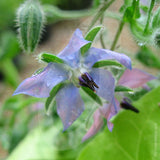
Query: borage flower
131	78
79	71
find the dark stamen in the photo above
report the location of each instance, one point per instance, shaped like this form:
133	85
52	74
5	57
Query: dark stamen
126	105
87	81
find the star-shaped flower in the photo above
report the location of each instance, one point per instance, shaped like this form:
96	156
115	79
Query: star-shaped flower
131	78
79	71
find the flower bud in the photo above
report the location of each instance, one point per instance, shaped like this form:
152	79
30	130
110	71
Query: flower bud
30	19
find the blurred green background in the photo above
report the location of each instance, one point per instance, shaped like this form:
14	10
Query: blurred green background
27	132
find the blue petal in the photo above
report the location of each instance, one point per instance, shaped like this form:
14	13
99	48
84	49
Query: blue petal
110	110
69	104
94	54
71	53
106	83
41	84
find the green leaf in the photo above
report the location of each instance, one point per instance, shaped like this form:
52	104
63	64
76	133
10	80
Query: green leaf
126	4
34	143
10	72
46	57
128	14
132	12
17	103
93	95
53	94
90	37
134	136
9	45
48	142
123	89
104	63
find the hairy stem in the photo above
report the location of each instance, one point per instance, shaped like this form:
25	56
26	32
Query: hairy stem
101	35
117	35
149	16
100	13
55	14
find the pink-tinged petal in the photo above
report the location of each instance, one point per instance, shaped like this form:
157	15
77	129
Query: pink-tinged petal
71	53
96	126
135	78
38	106
41	84
69	104
94	54
107	111
105	82
110	110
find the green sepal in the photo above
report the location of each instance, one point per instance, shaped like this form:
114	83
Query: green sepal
90	37
123	89
104	63
53	93
46	57
93	95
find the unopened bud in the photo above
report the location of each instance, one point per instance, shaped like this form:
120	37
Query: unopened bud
30	19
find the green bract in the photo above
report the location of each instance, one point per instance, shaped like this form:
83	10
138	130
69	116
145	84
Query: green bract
46	57
123	89
90	36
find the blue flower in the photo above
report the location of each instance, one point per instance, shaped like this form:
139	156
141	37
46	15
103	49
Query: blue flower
131	78
78	70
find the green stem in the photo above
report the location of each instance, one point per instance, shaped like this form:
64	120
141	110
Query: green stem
100	12
113	15
117	35
101	35
149	16
55	14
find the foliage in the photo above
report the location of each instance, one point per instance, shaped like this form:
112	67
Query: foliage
24	127
135	136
